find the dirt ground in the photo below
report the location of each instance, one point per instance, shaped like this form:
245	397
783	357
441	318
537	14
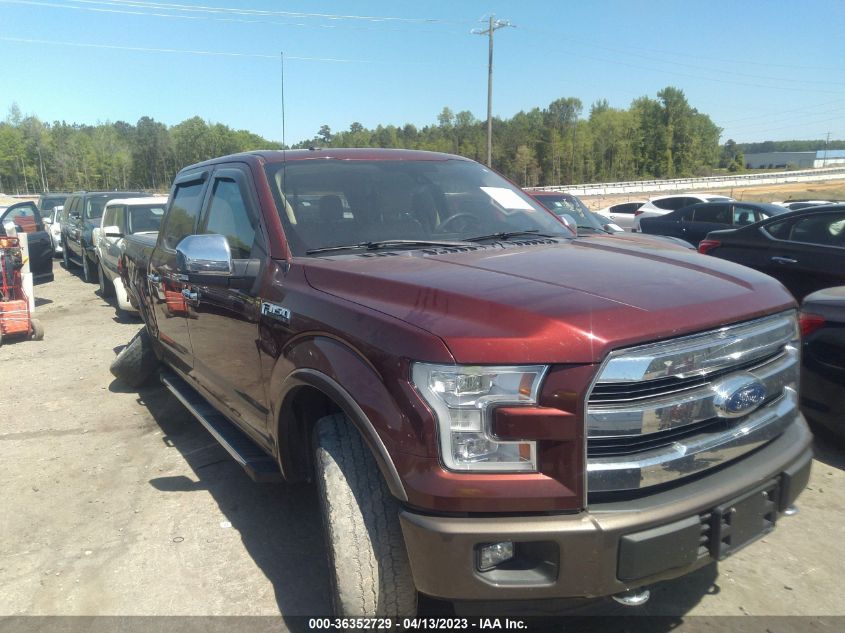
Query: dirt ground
118	503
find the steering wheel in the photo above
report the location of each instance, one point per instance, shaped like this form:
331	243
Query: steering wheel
468	218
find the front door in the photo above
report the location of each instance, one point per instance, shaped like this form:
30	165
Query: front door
164	280
224	317
109	246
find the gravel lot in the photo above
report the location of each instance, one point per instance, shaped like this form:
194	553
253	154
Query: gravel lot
119	503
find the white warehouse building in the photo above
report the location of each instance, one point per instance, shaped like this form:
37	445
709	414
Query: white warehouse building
800	160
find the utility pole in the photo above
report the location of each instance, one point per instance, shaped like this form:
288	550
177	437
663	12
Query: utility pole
826	141
493	26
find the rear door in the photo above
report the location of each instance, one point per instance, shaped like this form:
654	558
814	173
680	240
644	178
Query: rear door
808	253
705	218
163	279
224	317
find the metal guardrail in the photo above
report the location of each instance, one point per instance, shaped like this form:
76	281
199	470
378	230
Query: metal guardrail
692	184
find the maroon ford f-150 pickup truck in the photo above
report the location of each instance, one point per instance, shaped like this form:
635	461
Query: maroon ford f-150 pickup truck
492	408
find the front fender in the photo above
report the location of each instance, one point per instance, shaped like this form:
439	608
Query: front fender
353	384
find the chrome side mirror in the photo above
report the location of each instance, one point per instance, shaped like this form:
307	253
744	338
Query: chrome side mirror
112	231
207	255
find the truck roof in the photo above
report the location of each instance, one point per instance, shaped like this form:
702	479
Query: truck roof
278	156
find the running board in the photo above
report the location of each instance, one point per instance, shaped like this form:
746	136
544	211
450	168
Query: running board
258	465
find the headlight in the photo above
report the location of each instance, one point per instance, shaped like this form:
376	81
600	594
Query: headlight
462	397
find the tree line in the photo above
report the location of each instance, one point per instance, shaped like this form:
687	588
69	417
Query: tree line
561	144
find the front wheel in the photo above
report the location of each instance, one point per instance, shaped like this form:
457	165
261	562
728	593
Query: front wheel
106	288
65	259
368	561
88	270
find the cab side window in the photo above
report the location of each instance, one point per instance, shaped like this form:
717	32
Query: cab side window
715	213
743	215
228	215
184	210
110	216
825	230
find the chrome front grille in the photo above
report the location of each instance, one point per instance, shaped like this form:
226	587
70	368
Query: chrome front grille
668	410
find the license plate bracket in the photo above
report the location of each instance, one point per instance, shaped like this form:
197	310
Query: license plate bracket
744	520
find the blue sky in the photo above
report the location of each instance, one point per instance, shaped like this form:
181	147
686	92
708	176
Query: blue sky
761	70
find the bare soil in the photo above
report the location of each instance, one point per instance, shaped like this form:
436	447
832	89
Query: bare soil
116	502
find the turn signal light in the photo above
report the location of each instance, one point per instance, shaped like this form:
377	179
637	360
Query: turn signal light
810	323
705	246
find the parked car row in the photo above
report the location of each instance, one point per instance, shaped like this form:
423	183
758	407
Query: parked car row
82	213
800	243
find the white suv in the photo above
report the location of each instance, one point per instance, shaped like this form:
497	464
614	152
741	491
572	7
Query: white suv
122	217
661	205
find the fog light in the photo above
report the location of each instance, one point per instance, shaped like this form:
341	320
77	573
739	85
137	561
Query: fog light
494	554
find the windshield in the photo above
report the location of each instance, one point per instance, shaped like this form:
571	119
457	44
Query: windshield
94	207
325	203
48	203
566	204
96	203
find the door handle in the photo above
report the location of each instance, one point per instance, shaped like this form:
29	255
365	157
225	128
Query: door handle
154	278
784	260
191	295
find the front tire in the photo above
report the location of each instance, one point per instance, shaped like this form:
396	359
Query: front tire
65	259
368	561
87	268
106	288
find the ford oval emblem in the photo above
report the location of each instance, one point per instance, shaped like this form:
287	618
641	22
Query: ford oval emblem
737	395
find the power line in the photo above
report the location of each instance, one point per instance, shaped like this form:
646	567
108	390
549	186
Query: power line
778	113
160	13
262	12
676	53
185	51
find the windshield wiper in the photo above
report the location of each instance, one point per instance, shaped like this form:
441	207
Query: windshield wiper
509	234
592	228
372	246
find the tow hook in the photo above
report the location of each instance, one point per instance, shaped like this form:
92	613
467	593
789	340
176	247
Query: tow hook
791	511
633	597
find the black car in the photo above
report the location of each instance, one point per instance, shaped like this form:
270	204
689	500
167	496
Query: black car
823	359
80	216
804	250
27	219
694	222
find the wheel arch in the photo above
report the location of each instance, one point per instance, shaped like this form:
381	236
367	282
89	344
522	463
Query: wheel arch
308	395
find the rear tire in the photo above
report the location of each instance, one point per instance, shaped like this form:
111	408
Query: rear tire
136	362
368	561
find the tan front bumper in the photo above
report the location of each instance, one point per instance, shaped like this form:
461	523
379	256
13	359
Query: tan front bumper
578	555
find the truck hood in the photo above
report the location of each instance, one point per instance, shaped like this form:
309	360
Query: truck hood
551	302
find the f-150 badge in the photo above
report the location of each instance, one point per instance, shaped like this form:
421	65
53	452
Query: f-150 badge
275	311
